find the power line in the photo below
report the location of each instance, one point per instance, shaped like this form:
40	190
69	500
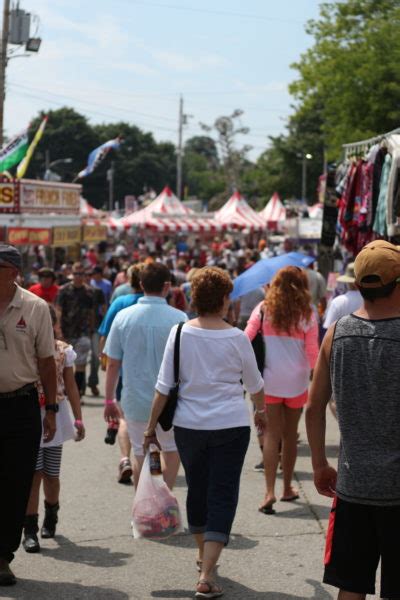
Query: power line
89	111
75	99
126	110
172	96
209	11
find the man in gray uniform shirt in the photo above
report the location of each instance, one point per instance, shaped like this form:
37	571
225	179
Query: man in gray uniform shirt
359	364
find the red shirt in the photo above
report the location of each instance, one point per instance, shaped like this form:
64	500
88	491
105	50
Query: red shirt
49	294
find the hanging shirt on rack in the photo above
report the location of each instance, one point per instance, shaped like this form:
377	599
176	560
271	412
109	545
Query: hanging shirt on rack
380	224
378	166
393	143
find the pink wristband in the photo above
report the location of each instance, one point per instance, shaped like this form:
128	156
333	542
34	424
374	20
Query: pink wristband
108	402
78	422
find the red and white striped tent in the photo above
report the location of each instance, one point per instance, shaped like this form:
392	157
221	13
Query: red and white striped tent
94	216
167	214
238	214
86	210
274	211
316	211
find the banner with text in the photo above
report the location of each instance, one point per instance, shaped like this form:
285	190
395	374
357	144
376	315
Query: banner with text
9	195
66	236
28	236
94	233
49	197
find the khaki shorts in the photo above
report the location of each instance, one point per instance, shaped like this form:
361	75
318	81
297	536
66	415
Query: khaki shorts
136	430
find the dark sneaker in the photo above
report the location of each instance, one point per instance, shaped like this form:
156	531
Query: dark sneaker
125	471
7	577
95	391
259	467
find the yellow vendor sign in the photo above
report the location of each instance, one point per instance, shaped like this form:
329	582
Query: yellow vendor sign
94	233
66	236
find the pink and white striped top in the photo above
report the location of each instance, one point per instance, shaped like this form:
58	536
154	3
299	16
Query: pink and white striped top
289	358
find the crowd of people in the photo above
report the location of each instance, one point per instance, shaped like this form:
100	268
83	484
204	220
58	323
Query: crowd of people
119	310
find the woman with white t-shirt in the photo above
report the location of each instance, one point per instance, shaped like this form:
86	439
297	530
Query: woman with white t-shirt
290	332
212	420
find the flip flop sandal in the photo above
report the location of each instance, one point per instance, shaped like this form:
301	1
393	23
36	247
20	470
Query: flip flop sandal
267	510
214	591
290	498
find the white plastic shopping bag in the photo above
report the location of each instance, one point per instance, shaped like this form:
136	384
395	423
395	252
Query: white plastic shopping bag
155	511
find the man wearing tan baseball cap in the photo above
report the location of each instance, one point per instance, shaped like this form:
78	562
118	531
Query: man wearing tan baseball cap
359	365
377	265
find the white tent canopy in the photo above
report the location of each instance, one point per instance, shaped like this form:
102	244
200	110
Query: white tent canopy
274	211
238	214
167	214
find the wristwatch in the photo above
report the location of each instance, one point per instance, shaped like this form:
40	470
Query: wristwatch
53	407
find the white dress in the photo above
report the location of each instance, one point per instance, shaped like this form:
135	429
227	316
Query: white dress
64	418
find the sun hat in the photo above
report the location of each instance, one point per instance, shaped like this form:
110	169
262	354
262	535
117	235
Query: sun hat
380	259
348	276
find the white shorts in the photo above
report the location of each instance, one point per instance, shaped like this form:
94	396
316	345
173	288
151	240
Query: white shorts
136	430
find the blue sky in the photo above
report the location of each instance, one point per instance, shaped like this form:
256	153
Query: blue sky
131	59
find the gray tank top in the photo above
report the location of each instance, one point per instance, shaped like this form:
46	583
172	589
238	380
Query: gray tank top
365	375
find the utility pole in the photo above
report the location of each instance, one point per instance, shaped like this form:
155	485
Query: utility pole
110	178
304	178
179	151
3	64
305	158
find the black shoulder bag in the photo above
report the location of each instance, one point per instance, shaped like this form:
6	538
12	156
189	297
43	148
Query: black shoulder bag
167	415
259	345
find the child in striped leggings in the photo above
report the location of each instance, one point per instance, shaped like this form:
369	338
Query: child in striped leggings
49	457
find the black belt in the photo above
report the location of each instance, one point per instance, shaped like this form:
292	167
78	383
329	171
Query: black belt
23	391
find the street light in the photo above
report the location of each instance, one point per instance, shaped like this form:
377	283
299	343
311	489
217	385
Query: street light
305	158
33	44
49	175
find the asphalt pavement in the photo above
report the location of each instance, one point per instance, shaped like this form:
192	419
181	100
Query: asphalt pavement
94	556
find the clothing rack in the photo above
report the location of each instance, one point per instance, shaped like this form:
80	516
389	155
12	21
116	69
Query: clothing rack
362	146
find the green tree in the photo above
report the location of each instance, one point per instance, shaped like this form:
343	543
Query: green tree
203	176
352	71
279	168
204	146
67	135
227	129
141	161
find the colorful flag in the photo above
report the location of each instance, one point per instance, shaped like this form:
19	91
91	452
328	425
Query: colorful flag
23	165
14	151
97	156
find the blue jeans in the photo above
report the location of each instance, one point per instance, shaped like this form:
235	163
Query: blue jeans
213	462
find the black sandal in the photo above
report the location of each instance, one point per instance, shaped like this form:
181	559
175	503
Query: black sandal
267	509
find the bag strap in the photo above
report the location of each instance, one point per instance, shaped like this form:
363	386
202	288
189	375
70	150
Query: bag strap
177	349
261	320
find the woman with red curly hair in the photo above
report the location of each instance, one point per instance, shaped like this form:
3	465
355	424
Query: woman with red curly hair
290	332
